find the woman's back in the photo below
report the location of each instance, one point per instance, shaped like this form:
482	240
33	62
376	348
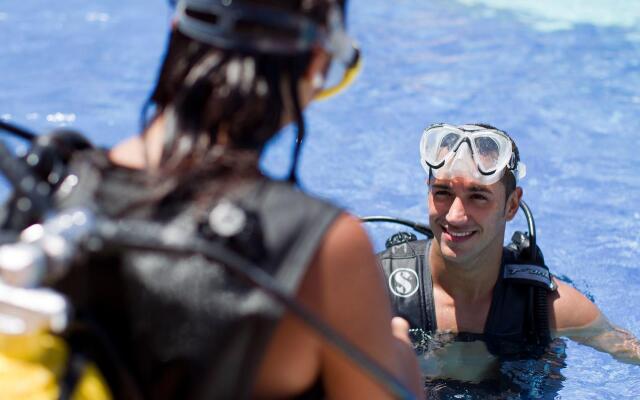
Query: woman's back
183	319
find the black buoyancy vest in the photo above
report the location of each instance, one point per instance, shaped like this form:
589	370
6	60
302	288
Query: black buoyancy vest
183	326
507	332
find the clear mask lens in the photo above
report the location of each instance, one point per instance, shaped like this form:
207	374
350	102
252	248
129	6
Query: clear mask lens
341	74
447	145
463	165
487	153
437	146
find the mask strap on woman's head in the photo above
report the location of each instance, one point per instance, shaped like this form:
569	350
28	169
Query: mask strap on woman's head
239	25
300	131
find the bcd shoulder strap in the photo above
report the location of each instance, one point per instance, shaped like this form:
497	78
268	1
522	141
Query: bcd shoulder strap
530	274
409	281
518	323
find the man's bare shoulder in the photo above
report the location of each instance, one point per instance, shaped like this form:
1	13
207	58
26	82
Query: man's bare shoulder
576	317
570	309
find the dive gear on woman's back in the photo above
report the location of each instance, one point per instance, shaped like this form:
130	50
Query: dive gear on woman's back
146	319
226	319
37	174
117	284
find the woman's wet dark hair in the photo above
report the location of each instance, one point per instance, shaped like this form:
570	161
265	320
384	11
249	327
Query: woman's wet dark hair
210	95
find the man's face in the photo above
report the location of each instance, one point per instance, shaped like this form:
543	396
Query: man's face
468	219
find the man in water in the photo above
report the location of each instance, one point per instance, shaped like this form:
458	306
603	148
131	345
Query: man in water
473	301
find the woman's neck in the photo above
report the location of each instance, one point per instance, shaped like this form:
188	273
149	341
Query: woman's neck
142	151
145	152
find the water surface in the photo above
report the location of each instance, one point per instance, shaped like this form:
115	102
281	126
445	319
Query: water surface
562	77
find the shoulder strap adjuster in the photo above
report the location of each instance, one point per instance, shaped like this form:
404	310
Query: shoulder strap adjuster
530	274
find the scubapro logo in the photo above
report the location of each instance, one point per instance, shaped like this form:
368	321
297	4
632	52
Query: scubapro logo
403	282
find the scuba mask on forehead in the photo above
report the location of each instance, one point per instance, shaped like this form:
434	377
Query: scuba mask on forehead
246	26
469	151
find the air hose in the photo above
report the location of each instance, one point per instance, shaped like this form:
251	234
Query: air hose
539	295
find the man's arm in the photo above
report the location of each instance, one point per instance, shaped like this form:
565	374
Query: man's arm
576	317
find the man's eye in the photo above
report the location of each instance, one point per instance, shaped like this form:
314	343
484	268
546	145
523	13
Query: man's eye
441	193
479	197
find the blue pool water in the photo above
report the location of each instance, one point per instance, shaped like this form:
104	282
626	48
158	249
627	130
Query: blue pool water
562	77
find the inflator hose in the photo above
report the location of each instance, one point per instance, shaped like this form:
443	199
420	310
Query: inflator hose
539	295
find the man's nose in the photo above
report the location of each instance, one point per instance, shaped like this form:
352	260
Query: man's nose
457	212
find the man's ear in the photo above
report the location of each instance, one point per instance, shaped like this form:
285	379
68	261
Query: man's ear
513	203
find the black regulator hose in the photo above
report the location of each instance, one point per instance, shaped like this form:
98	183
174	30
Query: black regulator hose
531	225
17	131
418	227
301	130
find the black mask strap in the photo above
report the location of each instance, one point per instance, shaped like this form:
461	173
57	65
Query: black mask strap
300	129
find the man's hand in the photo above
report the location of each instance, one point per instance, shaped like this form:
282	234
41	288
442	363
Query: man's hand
400	329
404	348
604	336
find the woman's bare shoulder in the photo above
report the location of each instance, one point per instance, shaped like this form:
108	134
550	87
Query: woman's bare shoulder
347	235
346	256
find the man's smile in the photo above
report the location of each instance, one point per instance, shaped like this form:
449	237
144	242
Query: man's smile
457	235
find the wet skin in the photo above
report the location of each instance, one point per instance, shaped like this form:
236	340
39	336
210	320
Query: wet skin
468	221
